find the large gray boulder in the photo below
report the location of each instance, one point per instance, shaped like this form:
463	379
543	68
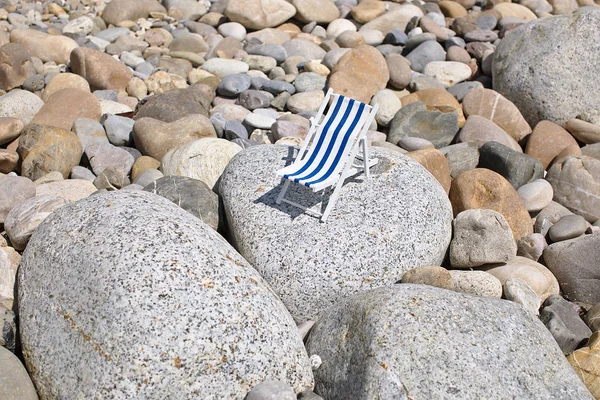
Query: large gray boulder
126	295
420	342
544	66
379	229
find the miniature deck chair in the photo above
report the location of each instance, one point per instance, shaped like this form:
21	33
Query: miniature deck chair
333	153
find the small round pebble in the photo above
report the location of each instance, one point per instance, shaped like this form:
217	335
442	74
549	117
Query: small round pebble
271	390
536	195
568	227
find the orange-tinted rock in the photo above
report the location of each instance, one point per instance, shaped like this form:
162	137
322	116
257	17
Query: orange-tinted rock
15	66
452	9
100	69
547	141
368	10
481	130
436	98
360	73
65	106
484	188
435	162
498	109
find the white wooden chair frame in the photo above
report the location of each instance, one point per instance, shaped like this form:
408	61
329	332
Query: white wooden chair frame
351	160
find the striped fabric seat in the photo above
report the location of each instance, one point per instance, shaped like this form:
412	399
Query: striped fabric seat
334	145
333	141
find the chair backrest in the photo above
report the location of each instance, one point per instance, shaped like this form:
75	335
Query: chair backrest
333	141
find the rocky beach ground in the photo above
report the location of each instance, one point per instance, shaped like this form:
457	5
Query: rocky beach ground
142	252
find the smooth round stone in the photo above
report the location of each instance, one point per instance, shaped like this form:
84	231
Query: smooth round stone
399	69
337	26
304	48
350	39
389	104
233	85
487	22
10	129
234	130
424	54
431	26
309	81
82	173
277	87
70	189
271	390
222	67
547	141
253	99
306	101
147	177
568	227
20	104
372	37
416	38
583	131
56	48
481	130
448	72
367	11
273	12
233	29
15	382
118	129
476	283
536	195
414	143
259	121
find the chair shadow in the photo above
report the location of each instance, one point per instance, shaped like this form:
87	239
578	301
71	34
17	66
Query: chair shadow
299	193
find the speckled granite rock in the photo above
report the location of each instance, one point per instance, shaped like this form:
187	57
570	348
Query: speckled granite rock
153	302
377	231
379	343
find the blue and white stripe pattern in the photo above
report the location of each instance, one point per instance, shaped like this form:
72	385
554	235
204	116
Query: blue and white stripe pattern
334	140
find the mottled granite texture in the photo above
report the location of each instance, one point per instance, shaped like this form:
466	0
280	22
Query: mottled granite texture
420	342
124	295
378	230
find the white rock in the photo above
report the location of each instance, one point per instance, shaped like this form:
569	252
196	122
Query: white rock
259	121
338	26
389	104
222	67
448	72
536	195
233	29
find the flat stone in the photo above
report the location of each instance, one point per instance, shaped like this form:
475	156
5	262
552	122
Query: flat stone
518	168
429	275
303	48
44	149
568	227
275	51
483	188
16	383
65	106
481	130
175	104
24	219
495	107
583	131
14	191
56	48
461	157
438	125
249	189
155	138
447	72
540	278
136	232
397	18
203	159
563	321
70	189
306	101
20	104
536	195
401	325
576	184
519	291
315	10
529	50
476	283
102	156
259	121
259	14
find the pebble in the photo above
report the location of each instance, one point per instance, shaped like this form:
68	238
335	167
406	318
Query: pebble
568	227
118	130
306	101
425	53
518	168
536	195
429	275
519	291
532	246
476	283
448	72
259	121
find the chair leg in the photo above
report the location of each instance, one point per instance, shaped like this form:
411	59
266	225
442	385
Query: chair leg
284	189
333	199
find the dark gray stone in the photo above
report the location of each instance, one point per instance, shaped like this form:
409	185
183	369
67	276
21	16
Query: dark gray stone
517	168
276	87
460	90
461	157
562	320
424	54
395	37
233	85
415	120
234	130
175	104
269	50
376	345
568	227
576	265
414	41
192	195
253	99
34	83
258	82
